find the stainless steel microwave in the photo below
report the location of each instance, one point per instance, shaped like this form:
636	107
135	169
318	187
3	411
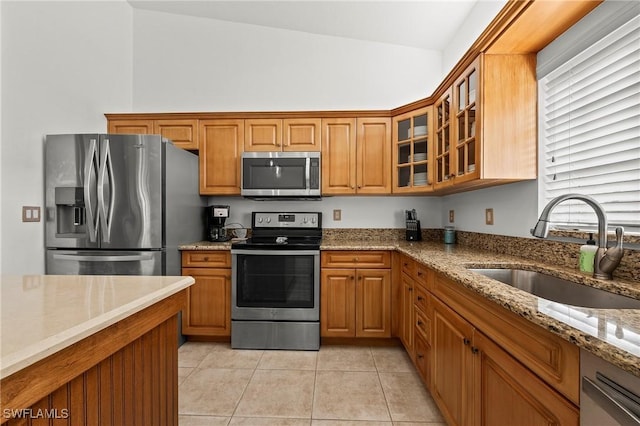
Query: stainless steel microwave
281	174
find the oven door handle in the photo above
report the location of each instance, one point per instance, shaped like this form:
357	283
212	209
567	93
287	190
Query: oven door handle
608	403
276	252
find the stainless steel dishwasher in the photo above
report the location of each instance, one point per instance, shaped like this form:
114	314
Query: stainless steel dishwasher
608	394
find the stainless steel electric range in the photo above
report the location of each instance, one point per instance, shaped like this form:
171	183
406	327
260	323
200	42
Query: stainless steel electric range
275	283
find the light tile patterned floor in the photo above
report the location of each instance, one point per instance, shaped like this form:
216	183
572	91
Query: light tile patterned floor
338	385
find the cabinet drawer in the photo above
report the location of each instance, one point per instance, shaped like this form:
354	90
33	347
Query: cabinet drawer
408	266
422	299
423	325
356	259
423	360
206	259
423	276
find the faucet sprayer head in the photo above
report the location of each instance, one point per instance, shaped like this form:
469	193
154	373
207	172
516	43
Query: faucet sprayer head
541	230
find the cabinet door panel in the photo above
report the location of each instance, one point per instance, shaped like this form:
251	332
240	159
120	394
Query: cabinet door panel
131	127
374	156
263	135
373	303
452	365
183	133
407	314
302	134
530	401
337	303
220	152
208	311
339	156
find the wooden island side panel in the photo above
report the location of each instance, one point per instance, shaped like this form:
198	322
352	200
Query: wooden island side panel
124	374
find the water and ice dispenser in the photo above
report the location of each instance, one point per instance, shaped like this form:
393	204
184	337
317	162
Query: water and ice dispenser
70	211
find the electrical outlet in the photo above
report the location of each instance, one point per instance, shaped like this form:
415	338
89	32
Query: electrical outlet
30	214
451	216
488	216
337	214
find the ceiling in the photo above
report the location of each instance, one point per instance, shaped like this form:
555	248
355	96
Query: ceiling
424	24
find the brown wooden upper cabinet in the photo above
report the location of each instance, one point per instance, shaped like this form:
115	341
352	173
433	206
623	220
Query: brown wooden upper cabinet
182	132
356	156
130	127
291	134
412	151
221	143
486	124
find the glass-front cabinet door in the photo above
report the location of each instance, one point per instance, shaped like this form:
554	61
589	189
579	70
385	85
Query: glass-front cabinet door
466	100
412	151
443	135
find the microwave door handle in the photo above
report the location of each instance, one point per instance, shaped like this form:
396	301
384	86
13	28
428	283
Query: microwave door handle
307	174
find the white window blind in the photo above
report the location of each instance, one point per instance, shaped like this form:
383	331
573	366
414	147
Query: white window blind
590	131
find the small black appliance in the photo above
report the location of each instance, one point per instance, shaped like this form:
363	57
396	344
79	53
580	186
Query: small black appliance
216	218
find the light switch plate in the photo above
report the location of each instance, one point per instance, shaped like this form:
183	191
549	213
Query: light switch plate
30	214
451	216
337	214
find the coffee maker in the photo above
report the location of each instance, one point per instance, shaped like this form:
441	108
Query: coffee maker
216	217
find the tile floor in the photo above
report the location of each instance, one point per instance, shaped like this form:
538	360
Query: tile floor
338	385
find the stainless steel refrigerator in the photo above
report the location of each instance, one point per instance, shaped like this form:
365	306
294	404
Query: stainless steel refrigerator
119	204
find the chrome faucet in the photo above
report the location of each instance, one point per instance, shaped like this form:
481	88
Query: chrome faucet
606	260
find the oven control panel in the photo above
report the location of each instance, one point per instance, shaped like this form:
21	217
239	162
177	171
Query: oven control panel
287	220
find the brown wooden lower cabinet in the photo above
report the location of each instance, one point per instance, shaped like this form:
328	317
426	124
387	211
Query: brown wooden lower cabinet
208	311
126	374
476	382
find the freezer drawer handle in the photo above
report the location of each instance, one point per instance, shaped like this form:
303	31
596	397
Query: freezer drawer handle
608	403
106	258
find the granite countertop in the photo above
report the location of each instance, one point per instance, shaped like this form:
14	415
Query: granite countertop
612	334
207	245
43	314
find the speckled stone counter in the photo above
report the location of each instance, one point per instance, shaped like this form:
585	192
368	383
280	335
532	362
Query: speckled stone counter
206	245
612	334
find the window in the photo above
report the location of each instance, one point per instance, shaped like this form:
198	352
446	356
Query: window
589	111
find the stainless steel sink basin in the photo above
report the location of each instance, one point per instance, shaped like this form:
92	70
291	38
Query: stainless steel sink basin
559	290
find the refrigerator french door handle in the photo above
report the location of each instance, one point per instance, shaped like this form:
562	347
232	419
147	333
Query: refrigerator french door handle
106	172
90	165
104	258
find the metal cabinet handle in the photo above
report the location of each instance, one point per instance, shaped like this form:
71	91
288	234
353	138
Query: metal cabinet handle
474	350
420	323
466	341
352	277
420	356
420	298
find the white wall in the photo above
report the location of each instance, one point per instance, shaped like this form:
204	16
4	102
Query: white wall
357	212
185	63
515	209
479	17
63	65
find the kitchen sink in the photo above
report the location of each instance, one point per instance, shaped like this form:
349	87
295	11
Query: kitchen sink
559	290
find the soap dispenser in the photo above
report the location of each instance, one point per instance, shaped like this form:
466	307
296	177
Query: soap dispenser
588	255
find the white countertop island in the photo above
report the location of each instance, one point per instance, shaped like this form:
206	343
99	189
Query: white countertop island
66	326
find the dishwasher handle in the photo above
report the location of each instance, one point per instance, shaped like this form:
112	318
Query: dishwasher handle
610	404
